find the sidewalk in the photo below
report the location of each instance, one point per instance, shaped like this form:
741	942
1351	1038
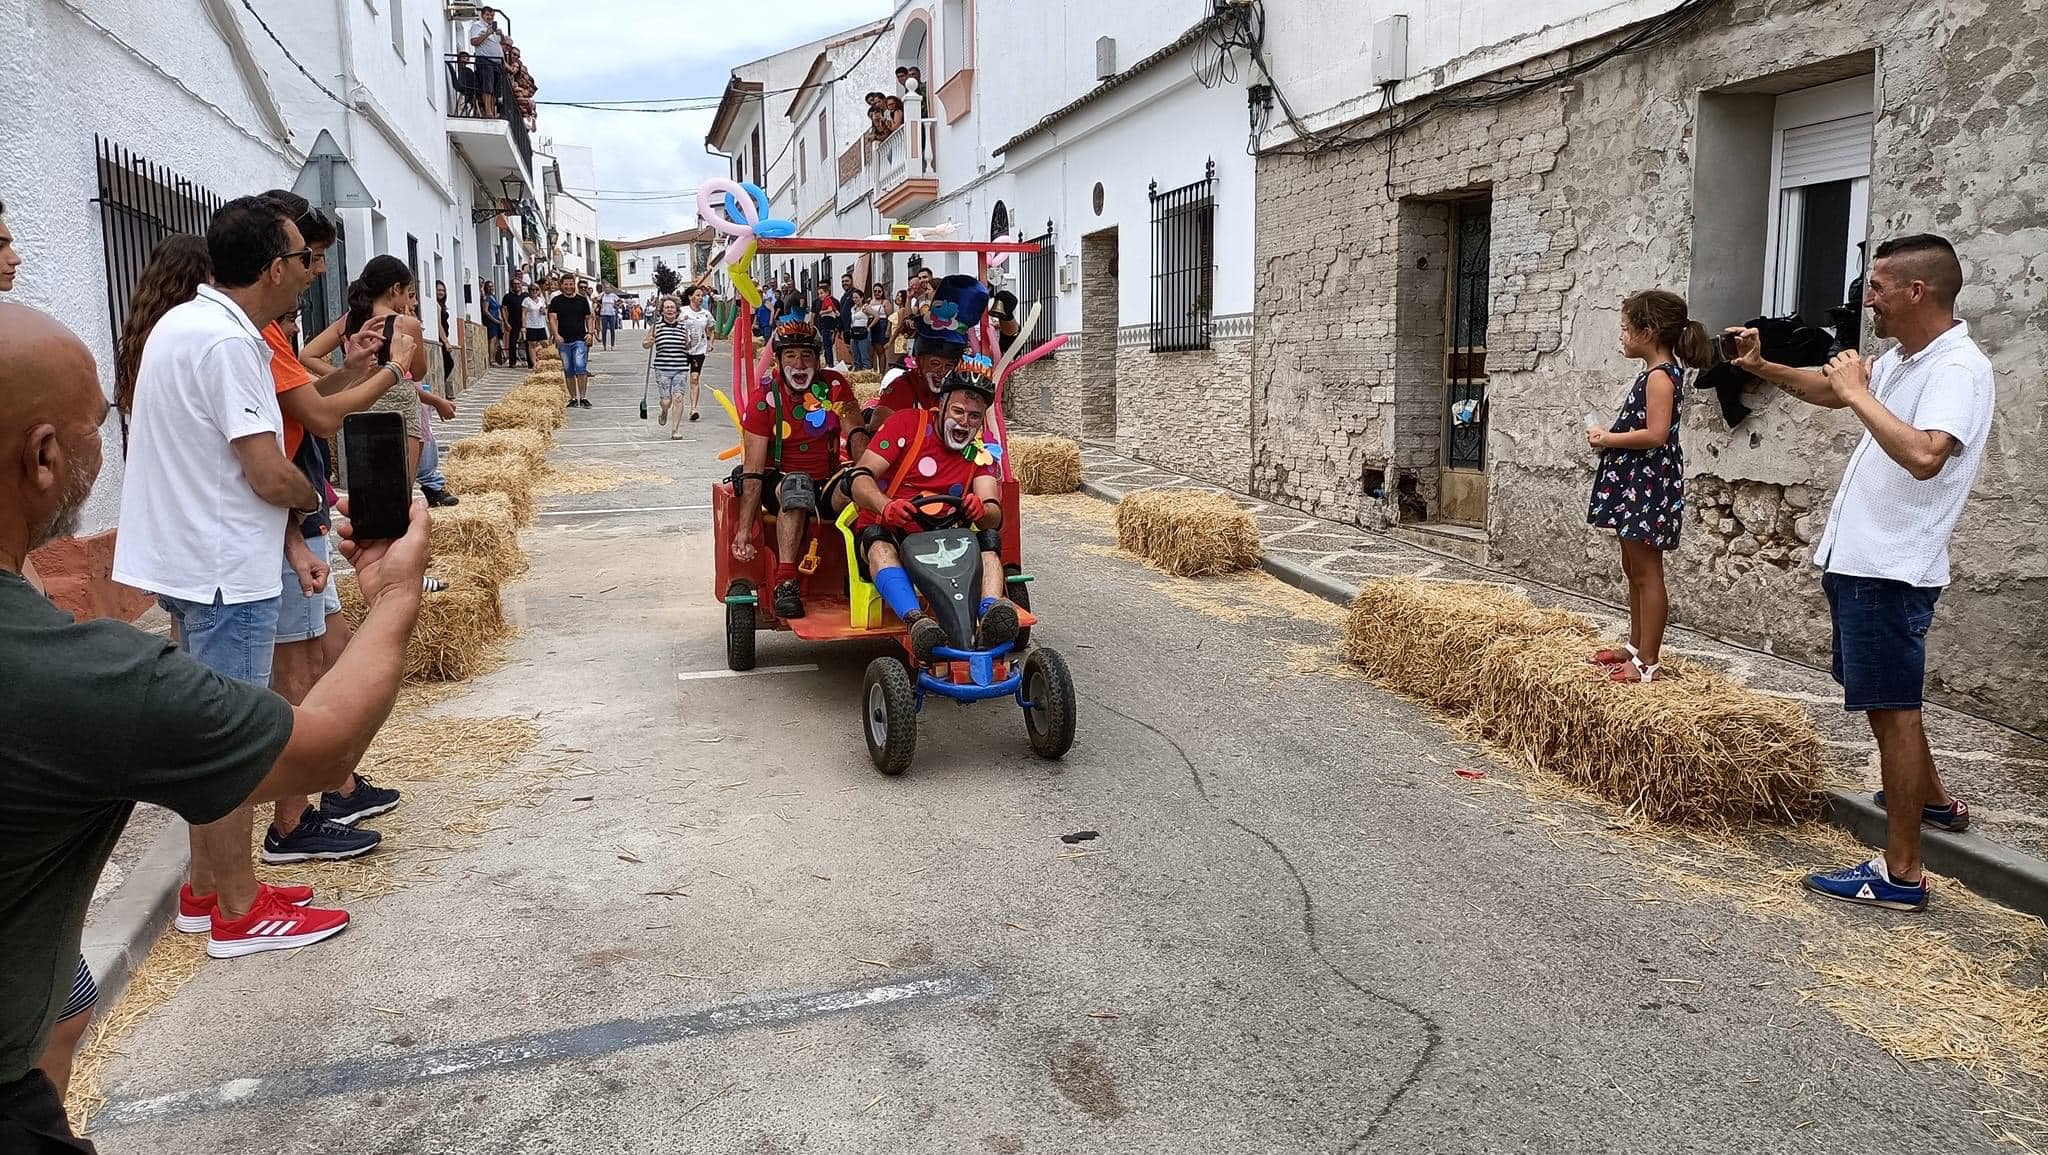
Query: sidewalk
2001	773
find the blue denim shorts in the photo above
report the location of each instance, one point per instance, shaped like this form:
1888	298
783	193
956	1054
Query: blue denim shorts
575	358
232	641
301	618
1880	631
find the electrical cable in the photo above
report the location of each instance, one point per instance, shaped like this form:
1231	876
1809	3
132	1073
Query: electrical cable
700	103
310	78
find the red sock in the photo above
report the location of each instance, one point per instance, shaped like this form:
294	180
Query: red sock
785	572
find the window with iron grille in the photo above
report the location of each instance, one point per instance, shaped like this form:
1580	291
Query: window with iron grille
1038	283
141	203
1183	264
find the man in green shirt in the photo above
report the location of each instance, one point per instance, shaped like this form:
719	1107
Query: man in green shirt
99	715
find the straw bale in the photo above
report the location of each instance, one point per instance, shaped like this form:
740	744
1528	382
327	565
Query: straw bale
1045	464
1187	532
516	442
483	527
511	476
545	351
459	627
1422	639
1694	747
516	411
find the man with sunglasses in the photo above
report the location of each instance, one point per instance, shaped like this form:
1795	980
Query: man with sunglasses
205	507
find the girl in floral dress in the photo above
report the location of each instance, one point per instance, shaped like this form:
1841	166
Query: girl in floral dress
1639	486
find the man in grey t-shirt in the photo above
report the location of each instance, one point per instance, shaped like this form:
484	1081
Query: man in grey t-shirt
99	715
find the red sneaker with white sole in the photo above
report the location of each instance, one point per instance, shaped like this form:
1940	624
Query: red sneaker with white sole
272	924
195	914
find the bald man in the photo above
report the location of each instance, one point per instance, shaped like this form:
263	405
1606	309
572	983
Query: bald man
10	257
1925	405
99	715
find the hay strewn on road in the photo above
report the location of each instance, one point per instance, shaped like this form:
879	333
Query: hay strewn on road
1188	532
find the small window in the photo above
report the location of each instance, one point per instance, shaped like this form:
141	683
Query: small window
1820	210
803	162
1183	264
632	265
427	66
398	27
956	33
824	146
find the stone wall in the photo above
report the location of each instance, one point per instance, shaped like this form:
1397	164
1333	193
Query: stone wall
1592	198
1187	410
1047	395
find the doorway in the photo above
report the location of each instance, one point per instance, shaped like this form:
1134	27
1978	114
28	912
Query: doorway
1462	489
1100	319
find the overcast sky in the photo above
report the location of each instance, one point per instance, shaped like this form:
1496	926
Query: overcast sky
663	48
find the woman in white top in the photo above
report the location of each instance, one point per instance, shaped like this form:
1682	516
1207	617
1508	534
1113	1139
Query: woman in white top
696	322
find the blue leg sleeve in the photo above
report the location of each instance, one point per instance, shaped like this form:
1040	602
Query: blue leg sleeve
894	586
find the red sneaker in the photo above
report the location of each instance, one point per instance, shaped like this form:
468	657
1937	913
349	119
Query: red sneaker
272	924
195	914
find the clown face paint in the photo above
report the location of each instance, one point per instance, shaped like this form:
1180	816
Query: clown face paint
962	420
799	367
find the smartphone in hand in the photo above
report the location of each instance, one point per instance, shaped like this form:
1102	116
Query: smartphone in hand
374	473
1731	346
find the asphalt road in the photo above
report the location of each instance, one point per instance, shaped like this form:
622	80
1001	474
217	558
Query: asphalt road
1296	930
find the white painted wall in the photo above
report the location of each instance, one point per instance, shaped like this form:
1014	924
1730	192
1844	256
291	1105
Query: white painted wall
681	257
68	72
1320	55
575	225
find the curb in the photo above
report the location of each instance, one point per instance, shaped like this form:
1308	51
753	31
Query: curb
1999	873
116	942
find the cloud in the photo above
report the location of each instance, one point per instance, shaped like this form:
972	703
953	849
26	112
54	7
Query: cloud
685	48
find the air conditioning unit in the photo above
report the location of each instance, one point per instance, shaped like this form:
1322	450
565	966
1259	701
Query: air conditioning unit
1389	50
1105	57
1070	274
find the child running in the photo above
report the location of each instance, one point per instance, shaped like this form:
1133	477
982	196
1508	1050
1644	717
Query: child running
1639	485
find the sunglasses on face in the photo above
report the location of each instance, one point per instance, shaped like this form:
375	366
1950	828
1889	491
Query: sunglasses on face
305	256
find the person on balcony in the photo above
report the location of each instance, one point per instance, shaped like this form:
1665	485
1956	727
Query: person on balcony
488	43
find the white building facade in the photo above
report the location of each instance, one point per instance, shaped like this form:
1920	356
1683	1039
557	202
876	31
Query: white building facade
688	252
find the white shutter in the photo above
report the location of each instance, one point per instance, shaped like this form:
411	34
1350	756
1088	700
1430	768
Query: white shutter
1830	151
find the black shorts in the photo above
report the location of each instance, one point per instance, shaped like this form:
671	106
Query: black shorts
696	361
490	73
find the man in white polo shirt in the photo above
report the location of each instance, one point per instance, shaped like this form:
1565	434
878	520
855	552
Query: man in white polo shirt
204	507
1926	409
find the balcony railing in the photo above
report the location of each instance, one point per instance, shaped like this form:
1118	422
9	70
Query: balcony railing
907	154
466	92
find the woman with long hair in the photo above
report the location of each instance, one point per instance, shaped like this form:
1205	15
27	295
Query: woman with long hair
385	289
176	269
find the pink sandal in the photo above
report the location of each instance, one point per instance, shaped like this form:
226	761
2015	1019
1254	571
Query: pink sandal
1613	657
1634	671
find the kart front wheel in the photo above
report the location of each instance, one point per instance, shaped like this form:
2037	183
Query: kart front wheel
888	715
1049	715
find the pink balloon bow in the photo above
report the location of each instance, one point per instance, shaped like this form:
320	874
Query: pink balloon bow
712	197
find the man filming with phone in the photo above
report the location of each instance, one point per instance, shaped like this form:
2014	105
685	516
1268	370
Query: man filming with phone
100	715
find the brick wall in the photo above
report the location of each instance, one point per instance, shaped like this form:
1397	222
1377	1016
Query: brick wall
1048	395
1187	411
1592	198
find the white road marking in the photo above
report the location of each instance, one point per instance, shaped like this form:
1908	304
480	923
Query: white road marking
703	675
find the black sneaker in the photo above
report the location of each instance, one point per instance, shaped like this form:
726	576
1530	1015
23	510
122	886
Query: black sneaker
571	404
436	498
315	837
926	636
585	402
366	801
789	600
998	625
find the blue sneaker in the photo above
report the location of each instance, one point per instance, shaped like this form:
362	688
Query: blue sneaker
1955	817
1870	884
315	837
365	801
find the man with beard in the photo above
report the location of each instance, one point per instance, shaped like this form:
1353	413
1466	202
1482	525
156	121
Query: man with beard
100	715
792	435
925	451
956	306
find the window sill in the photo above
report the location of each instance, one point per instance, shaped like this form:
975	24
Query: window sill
956	95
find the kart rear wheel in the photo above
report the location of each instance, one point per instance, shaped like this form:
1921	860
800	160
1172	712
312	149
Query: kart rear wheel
1049	720
1019	592
739	635
888	715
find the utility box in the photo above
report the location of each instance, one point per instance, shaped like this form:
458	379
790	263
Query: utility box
1389	50
1105	57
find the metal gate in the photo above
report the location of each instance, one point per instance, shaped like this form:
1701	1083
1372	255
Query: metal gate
1465	356
1037	283
141	203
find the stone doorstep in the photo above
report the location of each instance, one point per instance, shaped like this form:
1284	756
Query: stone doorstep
1992	869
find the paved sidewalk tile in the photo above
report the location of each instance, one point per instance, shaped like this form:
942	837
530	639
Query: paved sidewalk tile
2001	773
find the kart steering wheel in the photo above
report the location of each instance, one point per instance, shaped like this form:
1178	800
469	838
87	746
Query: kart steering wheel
950	511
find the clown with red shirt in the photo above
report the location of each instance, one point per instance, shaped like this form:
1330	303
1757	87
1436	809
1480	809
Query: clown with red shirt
957	305
938	449
791	444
